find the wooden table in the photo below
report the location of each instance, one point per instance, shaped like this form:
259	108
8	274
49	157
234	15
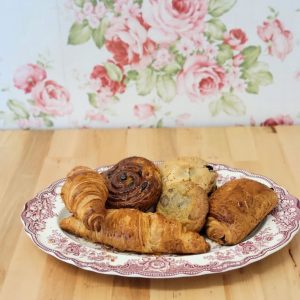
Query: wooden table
31	160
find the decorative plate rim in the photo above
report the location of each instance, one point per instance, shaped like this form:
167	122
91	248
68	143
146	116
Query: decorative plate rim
167	266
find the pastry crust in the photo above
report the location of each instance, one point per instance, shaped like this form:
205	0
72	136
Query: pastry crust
133	230
84	194
134	182
192	169
185	202
236	208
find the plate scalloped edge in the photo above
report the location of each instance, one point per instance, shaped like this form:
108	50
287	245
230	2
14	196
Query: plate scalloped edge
286	217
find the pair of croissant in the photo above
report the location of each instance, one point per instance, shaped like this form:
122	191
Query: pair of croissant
126	229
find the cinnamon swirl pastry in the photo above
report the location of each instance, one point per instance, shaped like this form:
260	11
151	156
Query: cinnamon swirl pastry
134	182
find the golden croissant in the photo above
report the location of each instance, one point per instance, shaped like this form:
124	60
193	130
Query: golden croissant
125	229
128	229
84	194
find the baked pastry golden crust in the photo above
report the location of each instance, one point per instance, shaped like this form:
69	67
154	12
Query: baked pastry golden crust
84	194
236	208
188	169
134	182
185	202
132	230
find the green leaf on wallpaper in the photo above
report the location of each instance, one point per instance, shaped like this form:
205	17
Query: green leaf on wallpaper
264	77
139	2
224	53
215	29
217	8
109	3
232	105
146	81
79	33
132	75
166	87
98	33
172	68
159	124
18	109
273	12
42	115
48	122
31	101
252	88
256	75
173	49
93	99
180	59
215	107
79	3
250	55
113	71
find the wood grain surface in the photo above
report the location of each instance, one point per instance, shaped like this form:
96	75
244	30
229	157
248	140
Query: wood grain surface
31	160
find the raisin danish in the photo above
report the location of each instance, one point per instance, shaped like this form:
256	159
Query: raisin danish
134	182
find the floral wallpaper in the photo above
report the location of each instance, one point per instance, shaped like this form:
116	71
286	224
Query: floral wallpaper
149	63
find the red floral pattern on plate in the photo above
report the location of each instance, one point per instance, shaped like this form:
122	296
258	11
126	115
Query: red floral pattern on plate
38	210
41	215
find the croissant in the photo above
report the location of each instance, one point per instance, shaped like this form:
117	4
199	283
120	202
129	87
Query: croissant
236	208
84	194
132	230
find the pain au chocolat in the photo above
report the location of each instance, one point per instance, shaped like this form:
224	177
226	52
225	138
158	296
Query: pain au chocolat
236	208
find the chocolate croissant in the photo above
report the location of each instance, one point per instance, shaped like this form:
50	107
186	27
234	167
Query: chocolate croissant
236	208
133	182
133	230
84	194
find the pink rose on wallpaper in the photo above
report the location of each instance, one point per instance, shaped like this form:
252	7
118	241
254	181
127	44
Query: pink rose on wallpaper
234	81
180	120
237	60
200	77
26	77
280	40
279	120
127	40
297	75
170	20
96	116
99	74
51	98
30	123
162	57
235	38
127	7
144	111
100	10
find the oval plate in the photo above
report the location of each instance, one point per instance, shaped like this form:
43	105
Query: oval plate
41	217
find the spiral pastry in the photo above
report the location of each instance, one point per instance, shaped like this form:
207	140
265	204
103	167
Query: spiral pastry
134	182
